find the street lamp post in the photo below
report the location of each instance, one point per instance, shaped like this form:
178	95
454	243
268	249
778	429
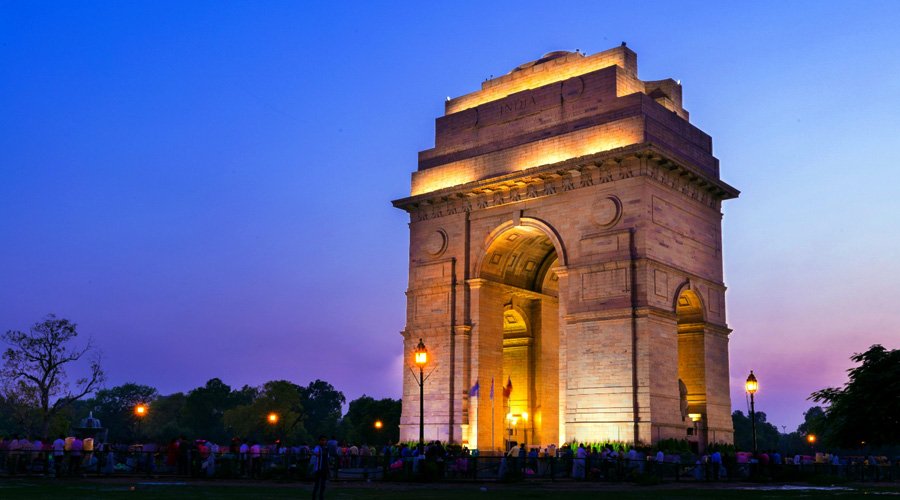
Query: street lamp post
752	386
378	425
421	359
140	411
272	419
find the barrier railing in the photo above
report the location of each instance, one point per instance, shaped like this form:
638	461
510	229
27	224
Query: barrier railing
298	466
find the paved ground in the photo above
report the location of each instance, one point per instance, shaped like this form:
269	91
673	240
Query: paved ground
135	489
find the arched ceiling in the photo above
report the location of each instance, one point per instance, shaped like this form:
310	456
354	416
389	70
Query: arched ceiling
689	309
522	257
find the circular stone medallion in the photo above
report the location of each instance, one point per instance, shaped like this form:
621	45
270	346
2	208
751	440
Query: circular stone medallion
606	211
436	243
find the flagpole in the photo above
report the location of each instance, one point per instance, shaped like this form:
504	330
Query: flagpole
476	422
493	443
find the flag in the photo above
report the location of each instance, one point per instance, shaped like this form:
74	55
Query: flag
492	388
473	392
508	389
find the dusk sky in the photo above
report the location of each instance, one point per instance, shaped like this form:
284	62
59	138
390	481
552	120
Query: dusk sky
205	187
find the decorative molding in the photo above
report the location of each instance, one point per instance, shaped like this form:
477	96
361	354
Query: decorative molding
566	176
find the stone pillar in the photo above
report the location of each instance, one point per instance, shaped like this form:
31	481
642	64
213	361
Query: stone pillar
546	404
487	359
718	402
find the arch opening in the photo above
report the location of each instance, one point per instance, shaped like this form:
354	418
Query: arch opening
521	297
522	257
691	325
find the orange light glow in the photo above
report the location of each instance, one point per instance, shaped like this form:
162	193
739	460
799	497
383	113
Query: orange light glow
752	385
140	410
573	65
811	438
378	424
273	418
548	151
421	354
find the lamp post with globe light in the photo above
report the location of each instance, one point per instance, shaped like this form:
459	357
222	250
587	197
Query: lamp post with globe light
140	411
752	386
421	359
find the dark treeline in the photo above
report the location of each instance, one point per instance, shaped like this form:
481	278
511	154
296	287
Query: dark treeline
216	412
863	415
38	401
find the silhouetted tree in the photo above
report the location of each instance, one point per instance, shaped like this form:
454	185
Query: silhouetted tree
322	404
813	422
278	396
35	364
115	409
358	425
767	435
205	406
166	419
867	409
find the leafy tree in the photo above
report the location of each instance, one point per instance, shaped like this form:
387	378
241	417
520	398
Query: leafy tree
867	409
18	410
280	397
767	435
115	409
323	407
358	425
165	421
35	365
813	422
205	406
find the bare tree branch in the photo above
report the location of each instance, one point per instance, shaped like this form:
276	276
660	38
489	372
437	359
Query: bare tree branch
35	365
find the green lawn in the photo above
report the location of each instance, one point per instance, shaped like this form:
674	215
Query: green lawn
36	489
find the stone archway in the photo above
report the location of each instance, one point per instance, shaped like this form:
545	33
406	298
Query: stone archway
516	298
691	324
581	316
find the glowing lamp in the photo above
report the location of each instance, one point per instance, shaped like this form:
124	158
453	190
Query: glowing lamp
421	354
752	385
421	359
695	417
272	418
140	410
378	424
811	438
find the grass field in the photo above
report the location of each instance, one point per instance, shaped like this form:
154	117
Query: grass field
41	489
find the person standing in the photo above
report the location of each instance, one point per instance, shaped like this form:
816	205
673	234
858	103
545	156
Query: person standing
320	473
59	447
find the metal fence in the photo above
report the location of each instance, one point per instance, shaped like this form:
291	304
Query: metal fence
298	466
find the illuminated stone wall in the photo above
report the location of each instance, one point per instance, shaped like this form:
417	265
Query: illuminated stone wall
566	210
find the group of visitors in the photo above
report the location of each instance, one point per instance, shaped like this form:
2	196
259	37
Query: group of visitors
64	455
329	459
74	456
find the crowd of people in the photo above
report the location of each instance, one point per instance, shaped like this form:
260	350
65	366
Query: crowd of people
74	456
245	458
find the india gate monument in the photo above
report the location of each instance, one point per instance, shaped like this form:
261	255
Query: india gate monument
565	263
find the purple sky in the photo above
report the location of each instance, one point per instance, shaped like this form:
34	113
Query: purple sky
205	186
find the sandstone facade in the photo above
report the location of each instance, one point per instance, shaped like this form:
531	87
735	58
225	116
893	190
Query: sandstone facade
565	236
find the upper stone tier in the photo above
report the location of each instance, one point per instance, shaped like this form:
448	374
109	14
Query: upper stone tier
562	106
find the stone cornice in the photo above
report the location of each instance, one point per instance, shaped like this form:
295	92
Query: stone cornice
642	160
641	312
